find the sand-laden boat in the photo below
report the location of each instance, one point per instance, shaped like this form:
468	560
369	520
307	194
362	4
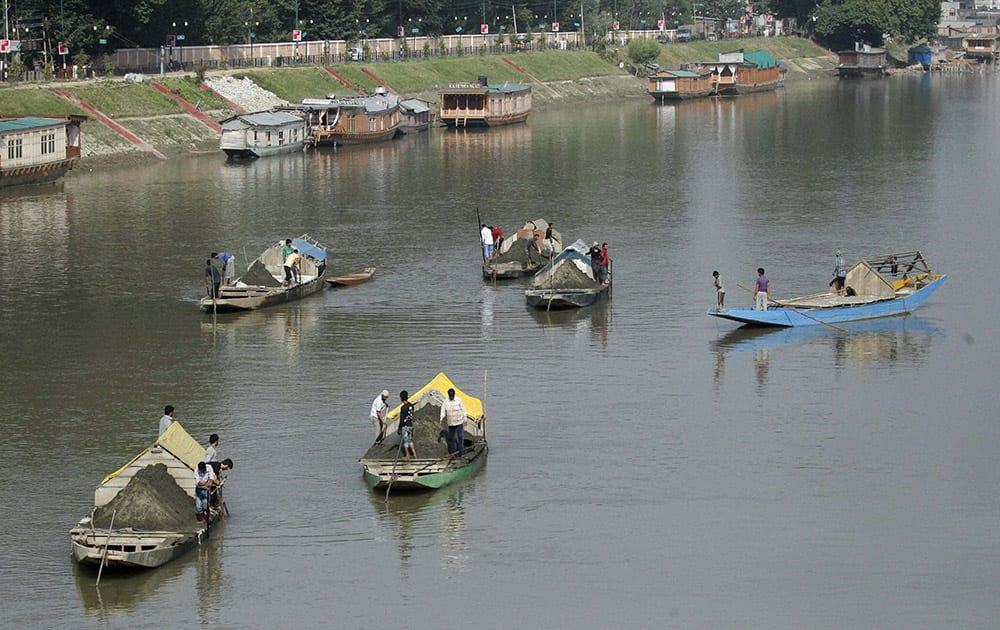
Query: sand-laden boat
569	281
879	286
144	512
517	257
386	468
350	279
261	284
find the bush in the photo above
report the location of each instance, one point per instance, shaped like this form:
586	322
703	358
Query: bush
643	51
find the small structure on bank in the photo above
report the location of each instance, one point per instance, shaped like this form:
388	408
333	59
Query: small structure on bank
983	48
863	62
36	149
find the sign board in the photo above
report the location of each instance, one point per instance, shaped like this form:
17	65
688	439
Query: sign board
400	32
659	24
555	27
484	29
770	18
297	35
614	25
180	37
102	41
4	45
171	40
63	49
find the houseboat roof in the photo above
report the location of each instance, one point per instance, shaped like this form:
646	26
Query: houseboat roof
415	105
687	74
8	125
761	58
477	88
984	37
260	119
370	104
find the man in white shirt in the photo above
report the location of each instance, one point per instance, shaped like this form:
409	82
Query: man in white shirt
204	481
167	419
486	236
453	410
380	407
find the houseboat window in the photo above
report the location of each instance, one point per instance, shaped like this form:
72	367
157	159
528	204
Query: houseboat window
13	148
269	137
281	137
372	124
48	143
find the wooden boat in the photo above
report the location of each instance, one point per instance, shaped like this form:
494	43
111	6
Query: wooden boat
354	120
260	285
262	133
384	468
416	115
737	72
353	278
879	291
119	546
515	260
567	282
862	62
484	104
37	149
677	85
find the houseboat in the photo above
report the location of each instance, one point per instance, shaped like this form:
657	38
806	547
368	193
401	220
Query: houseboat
36	149
737	72
983	48
416	114
484	104
677	85
863	62
262	133
335	121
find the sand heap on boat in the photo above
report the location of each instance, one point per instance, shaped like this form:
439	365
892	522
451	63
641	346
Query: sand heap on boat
515	247
152	501
570	270
428	437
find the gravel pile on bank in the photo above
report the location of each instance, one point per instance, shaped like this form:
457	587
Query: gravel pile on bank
244	93
152	500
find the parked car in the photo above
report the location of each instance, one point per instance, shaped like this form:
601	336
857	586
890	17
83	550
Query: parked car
354	54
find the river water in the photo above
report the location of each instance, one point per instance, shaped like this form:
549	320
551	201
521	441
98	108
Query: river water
649	466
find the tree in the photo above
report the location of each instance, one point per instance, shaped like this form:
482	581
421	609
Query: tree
840	25
643	51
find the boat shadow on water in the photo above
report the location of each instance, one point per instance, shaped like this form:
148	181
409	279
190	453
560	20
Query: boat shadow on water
596	318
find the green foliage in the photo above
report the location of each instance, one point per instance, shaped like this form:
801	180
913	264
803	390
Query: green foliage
643	51
866	21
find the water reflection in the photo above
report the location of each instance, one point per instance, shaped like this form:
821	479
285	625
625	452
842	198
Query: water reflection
121	592
209	578
879	342
427	518
281	327
595	320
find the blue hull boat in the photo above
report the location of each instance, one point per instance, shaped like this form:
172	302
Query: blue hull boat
883	297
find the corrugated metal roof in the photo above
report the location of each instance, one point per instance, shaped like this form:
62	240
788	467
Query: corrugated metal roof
415	105
261	119
27	122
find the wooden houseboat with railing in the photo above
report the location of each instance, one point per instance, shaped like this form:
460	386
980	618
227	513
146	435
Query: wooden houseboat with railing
335	121
262	133
484	104
737	72
36	149
678	85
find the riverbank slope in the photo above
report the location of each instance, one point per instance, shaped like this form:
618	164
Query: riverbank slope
166	127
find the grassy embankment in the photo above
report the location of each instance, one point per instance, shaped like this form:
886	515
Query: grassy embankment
569	76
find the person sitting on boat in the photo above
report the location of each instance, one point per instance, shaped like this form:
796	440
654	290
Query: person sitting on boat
453	410
204	481
839	273
380	407
405	429
212	279
292	263
486	236
228	266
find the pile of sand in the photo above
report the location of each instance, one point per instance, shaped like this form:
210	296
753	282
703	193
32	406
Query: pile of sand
428	437
153	501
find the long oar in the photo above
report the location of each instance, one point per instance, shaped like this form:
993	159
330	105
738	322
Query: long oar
104	554
795	310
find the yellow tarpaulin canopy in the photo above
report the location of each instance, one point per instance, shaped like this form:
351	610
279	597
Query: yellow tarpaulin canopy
178	443
473	406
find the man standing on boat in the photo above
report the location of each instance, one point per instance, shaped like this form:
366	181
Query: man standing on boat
167	419
605	263
228	266
212	279
839	273
380	407
292	269
406	425
760	290
720	292
453	410
204	481
486	236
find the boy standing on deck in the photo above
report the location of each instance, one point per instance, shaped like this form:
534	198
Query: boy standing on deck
720	292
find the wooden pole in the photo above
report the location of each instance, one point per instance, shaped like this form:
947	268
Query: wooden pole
104	555
795	310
